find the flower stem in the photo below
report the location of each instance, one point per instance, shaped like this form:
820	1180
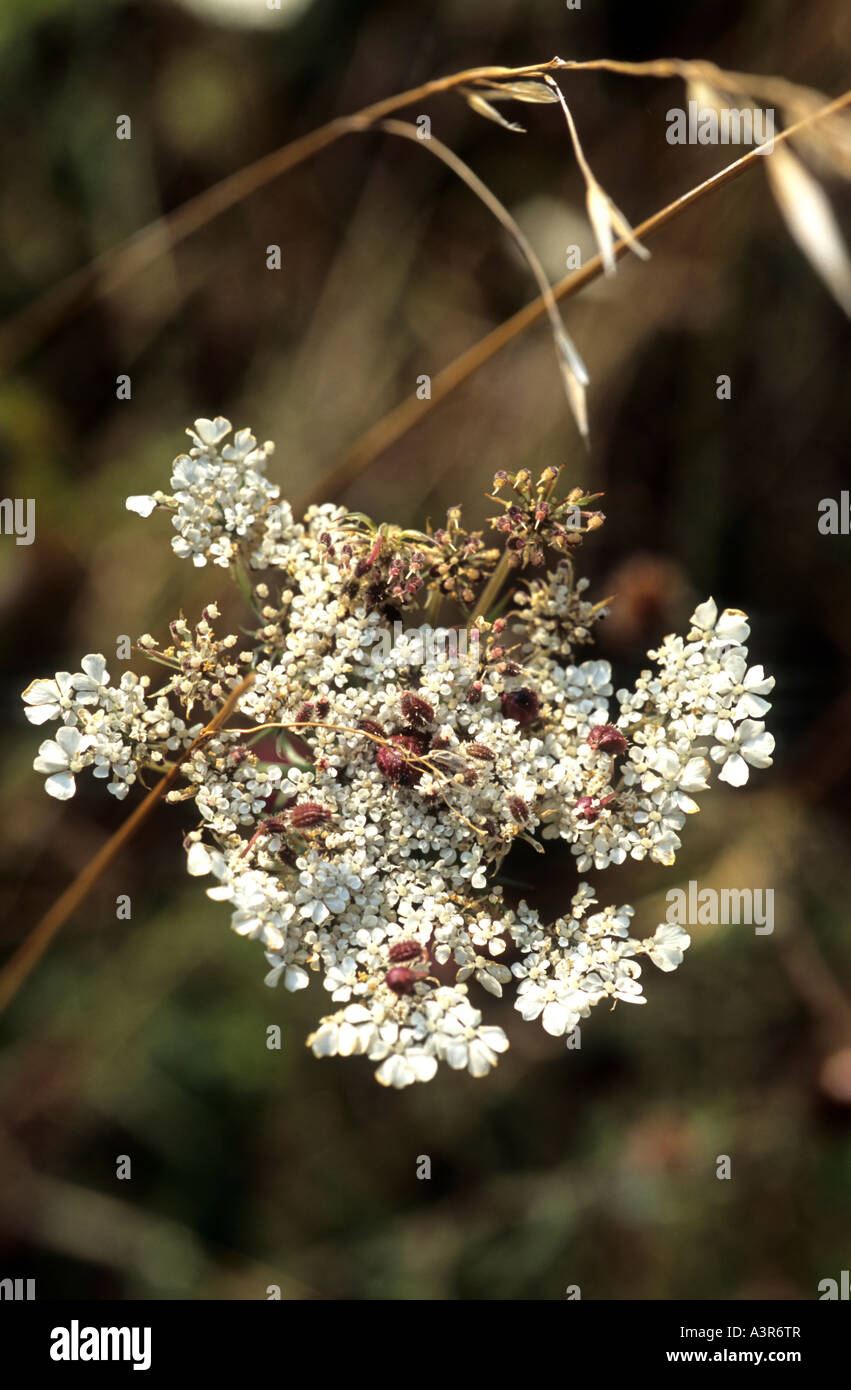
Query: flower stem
490	593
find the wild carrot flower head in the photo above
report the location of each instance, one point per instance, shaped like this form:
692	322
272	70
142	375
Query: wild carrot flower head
356	809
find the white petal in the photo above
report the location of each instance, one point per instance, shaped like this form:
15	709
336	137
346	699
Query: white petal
61	786
487	981
351	1041
356	1013
494	1038
694	774
751	707
71	741
198	861
40	713
732	626
212	431
94	666
394	1072
422	1065
734	771
481	1058
51	758
554	1018
456	1054
40	692
323	1043
758	750
141	503
705	614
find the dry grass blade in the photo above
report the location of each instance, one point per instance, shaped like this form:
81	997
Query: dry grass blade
18	967
518	91
573	369
606	219
477	103
396	423
807	213
26	329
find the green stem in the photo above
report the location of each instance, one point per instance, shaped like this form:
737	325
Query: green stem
431	612
492	588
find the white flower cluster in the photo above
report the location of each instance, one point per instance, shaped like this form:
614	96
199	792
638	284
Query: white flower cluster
109	729
222	502
357	806
701	704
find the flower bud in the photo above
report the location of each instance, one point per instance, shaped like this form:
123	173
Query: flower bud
608	739
371	726
394	760
401	980
522	705
416	710
405	950
309	813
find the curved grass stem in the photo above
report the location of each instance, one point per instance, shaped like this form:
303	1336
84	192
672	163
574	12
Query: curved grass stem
26	957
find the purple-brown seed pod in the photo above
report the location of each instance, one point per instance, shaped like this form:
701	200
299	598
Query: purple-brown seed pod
393	760
416	710
522	705
405	950
371	726
307	814
608	738
401	980
589	807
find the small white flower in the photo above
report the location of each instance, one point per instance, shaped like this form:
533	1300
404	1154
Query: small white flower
92	680
666	946
295	978
211	432
730	629
57	757
747	687
47	699
746	743
341	979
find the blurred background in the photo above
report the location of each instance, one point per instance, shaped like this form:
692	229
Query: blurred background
147	1037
